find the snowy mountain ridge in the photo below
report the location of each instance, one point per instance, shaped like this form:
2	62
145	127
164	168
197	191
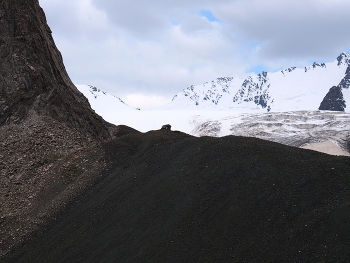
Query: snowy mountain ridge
306	106
106	105
89	90
321	86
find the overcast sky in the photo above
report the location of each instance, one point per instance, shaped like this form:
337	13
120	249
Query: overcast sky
146	51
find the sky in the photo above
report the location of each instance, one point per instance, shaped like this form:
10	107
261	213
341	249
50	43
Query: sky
146	51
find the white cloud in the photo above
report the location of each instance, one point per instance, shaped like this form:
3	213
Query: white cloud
157	48
145	101
293	30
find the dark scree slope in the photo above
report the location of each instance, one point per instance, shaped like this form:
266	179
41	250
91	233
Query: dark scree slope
169	197
69	195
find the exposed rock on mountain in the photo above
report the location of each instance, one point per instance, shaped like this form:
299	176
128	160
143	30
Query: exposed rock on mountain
32	75
334	100
255	92
345	82
293	89
45	125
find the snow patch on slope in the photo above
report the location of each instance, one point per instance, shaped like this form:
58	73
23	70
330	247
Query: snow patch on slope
104	104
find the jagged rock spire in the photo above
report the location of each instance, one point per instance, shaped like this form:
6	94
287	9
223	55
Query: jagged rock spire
343	58
32	74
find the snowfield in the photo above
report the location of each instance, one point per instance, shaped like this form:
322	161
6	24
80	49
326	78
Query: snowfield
281	107
294	128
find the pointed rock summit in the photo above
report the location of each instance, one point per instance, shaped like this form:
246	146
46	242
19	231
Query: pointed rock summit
33	79
334	100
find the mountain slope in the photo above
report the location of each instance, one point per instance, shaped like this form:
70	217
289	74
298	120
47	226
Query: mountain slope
106	105
71	193
32	75
169	197
287	90
103	98
45	124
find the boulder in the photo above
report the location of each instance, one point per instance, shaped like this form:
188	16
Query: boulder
166	127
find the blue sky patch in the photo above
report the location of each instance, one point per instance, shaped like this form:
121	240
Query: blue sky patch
209	15
257	69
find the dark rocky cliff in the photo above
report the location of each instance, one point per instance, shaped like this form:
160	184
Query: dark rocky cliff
33	78
45	124
334	100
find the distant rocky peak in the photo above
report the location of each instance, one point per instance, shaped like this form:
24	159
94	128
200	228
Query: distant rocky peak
224	80
343	58
263	76
288	70
334	100
317	64
289	89
256	91
96	92
345	82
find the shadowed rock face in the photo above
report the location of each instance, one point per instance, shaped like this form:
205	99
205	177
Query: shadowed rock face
45	124
32	75
334	100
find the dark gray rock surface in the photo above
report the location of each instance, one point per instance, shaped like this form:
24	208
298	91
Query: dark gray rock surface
32	74
45	124
334	100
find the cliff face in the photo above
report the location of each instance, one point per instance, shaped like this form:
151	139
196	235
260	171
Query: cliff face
334	100
45	124
32	75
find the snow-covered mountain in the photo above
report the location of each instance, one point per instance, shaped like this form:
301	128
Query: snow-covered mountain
295	107
104	104
99	98
322	86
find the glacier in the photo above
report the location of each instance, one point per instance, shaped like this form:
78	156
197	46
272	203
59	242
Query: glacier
295	106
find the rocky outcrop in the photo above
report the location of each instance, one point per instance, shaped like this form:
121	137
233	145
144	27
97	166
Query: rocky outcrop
33	78
166	127
50	138
258	92
345	82
334	100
